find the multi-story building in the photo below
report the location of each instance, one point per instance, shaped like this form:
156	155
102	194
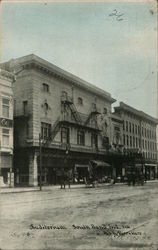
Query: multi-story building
6	128
116	146
71	115
139	136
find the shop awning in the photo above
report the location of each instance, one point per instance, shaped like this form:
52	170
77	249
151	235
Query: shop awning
81	166
101	164
150	165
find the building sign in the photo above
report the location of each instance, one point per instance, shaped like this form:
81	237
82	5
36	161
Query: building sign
6	123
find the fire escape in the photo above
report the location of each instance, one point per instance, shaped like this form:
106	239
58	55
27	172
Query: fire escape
70	117
92	116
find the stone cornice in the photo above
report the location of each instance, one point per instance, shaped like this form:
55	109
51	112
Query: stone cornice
6	74
140	114
77	82
33	61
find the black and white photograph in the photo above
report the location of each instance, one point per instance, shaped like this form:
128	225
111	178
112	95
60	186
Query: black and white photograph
78	125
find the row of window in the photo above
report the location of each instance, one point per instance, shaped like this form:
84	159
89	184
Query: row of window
131	141
130	127
135	129
136	142
65	135
150	155
64	93
149	145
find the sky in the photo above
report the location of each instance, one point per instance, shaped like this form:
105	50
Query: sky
111	45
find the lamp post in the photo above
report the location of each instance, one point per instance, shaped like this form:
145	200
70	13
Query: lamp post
40	162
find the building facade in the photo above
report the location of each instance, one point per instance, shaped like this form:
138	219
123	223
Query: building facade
72	117
6	128
139	137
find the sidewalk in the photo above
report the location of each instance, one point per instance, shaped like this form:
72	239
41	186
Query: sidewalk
6	190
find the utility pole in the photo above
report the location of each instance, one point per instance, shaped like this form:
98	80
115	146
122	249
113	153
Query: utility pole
40	162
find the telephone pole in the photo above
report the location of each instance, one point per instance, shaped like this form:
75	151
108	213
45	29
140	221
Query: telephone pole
40	162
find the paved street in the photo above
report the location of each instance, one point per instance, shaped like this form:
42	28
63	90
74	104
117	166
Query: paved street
109	217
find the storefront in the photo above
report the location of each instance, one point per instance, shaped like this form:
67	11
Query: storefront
7	177
151	172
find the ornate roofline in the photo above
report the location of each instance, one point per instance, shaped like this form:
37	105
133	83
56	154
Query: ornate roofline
49	68
6	74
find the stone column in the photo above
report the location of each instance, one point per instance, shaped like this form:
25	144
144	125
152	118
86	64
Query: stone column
33	170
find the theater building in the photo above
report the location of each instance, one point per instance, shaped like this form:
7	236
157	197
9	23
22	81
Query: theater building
139	137
6	128
72	116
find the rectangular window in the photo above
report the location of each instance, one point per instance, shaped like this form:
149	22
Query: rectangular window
145	144
80	137
136	129
94	106
117	128
80	101
5	137
25	107
94	140
130	141
124	140
133	128
45	87
127	126
5	107
45	130
130	129
105	111
65	135
145	132
142	131
136	142
127	139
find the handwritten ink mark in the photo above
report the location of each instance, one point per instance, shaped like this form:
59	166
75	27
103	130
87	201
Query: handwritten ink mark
117	15
151	12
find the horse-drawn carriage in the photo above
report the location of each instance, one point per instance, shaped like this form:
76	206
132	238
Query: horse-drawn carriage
134	175
93	173
65	176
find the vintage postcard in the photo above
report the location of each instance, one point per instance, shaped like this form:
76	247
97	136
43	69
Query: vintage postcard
78	125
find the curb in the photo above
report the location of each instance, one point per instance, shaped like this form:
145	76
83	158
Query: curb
51	188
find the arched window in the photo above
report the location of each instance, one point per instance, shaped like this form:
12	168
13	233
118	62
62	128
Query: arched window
80	101
105	111
46	107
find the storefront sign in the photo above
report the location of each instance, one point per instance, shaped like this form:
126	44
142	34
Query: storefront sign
6	123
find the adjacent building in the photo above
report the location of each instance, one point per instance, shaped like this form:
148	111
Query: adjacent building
139	137
6	128
73	118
